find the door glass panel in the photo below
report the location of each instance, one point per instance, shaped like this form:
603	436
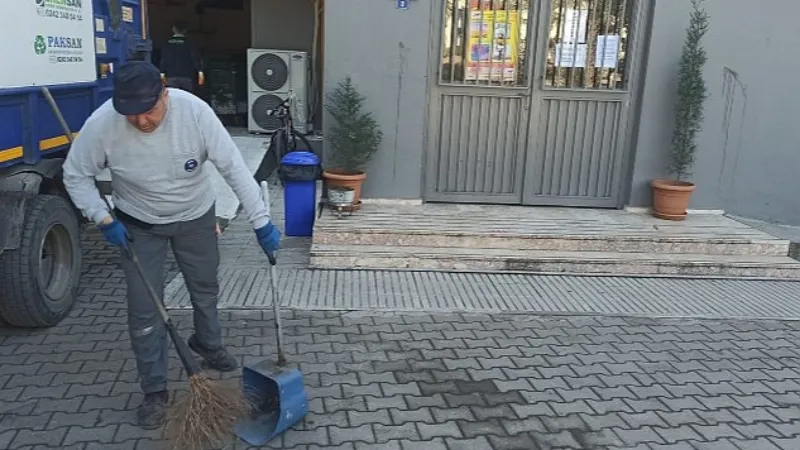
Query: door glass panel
484	43
588	44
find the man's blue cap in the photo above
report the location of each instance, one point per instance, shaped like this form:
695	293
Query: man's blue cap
137	87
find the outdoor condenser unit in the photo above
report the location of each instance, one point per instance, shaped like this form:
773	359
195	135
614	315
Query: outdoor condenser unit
272	77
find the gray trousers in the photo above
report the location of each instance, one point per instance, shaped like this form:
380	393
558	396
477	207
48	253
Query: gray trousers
194	244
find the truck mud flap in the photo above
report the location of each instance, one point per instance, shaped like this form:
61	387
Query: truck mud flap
13	207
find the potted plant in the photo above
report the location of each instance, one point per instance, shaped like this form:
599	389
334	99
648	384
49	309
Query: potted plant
671	196
354	137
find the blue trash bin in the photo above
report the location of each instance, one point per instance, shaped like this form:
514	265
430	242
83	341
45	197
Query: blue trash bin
299	171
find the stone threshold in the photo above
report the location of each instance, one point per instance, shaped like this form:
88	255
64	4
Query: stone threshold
496	238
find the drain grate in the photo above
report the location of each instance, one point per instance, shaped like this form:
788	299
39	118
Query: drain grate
249	288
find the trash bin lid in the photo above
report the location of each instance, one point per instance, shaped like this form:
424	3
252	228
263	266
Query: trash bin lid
300	159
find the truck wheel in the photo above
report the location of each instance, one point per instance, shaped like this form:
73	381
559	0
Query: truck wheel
40	278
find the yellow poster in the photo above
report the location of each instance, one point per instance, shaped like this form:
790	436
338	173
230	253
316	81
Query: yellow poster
493	45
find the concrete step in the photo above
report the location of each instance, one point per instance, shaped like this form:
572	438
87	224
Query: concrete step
619	242
325	256
534	228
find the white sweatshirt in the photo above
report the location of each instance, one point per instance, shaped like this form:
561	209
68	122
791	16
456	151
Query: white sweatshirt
158	177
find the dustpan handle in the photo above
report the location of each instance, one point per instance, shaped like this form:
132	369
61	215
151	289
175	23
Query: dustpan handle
277	313
272	257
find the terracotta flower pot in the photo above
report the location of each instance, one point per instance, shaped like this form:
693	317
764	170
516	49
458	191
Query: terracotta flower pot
671	198
339	179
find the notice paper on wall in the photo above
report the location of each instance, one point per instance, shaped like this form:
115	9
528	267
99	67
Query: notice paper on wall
570	55
574	25
607	54
100	46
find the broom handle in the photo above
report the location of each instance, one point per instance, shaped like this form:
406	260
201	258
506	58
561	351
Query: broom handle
191	365
275	297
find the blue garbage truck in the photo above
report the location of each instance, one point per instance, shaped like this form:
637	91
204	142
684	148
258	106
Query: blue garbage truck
69	48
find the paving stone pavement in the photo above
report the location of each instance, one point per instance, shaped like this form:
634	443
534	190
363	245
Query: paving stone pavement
401	381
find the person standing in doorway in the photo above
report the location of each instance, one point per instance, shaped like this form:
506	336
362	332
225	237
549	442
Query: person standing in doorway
180	61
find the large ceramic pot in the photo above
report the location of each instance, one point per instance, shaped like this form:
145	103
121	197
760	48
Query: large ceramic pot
671	198
339	179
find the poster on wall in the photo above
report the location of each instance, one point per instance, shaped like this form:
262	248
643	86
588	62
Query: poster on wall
493	45
47	42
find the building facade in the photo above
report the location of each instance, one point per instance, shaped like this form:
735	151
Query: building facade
568	102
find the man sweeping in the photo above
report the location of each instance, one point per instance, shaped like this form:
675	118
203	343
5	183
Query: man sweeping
155	141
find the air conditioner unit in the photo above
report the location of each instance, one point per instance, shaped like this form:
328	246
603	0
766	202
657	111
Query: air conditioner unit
272	77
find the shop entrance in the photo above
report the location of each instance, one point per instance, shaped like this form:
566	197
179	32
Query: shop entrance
532	100
221	33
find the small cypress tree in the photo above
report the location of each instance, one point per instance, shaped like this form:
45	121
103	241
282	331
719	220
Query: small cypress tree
354	136
691	95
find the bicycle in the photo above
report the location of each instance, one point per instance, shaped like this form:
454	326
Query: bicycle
283	141
280	145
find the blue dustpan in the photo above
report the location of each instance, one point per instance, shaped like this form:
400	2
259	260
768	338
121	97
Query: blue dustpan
280	398
276	391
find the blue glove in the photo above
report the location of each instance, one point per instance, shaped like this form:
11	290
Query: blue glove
269	238
115	233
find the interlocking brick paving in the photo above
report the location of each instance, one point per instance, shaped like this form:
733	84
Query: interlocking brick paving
415	380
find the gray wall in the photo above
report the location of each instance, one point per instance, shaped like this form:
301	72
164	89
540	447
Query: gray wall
748	160
385	52
285	25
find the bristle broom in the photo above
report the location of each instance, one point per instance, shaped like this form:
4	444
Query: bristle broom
205	416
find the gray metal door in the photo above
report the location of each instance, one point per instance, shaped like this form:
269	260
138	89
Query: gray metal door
532	106
580	145
481	98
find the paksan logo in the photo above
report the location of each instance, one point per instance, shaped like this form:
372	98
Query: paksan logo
64	42
39	45
60	49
